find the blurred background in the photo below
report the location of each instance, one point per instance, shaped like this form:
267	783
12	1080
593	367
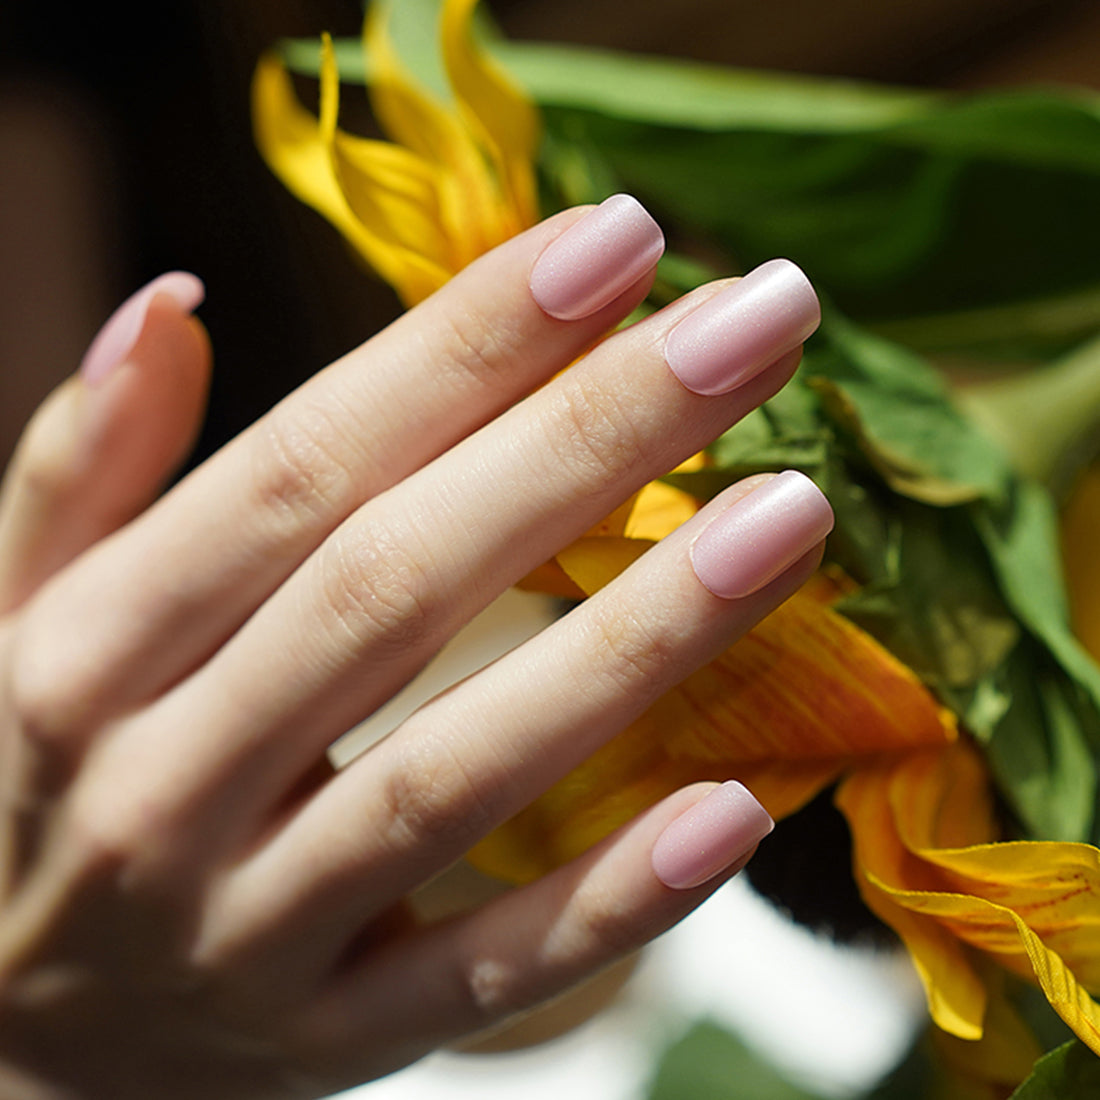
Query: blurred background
126	150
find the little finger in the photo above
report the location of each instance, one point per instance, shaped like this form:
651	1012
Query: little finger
452	980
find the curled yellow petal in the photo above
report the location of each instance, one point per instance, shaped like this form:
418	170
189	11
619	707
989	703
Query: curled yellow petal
1033	907
953	986
494	106
392	193
456	178
290	140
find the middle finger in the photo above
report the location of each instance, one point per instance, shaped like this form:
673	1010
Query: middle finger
374	602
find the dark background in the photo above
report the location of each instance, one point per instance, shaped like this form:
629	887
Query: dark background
125	150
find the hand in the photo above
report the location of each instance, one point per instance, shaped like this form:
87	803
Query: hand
194	903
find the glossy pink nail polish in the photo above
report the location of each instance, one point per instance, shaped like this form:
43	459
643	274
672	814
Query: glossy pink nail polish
116	339
761	535
744	328
714	834
597	259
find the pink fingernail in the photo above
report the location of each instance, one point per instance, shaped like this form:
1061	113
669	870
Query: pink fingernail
744	328
596	260
761	535
116	339
714	834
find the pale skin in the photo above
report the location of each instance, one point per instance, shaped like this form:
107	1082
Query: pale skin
193	903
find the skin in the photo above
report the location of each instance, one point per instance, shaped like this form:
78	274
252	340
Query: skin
193	903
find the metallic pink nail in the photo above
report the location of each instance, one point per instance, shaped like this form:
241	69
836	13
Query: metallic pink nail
761	535
733	336
117	338
597	259
713	835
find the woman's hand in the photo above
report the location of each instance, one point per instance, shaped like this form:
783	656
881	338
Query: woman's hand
194	904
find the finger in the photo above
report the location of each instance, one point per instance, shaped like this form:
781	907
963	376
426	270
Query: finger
256	511
477	754
473	973
101	447
388	588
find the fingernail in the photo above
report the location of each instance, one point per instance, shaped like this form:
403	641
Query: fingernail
744	328
714	834
117	338
596	260
761	535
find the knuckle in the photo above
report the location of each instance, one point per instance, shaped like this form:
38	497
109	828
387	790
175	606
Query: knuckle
633	654
490	987
110	835
593	435
47	704
375	589
429	796
300	470
478	347
608	924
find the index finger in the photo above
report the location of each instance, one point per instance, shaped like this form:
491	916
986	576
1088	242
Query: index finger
235	529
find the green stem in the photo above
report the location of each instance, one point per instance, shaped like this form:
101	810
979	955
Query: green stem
1047	418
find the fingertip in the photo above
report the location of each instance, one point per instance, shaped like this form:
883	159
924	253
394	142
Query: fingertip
597	259
179	291
716	834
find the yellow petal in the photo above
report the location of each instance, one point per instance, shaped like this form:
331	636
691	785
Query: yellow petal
593	562
995	1064
1034	907
658	510
392	194
1001	932
494	107
1053	887
943	799
787	709
806	685
290	140
942	811
393	198
955	992
475	214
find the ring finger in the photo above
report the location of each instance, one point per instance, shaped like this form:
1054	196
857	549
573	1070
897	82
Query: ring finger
475	755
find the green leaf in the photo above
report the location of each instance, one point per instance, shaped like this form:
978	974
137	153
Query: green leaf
665	91
1021	535
902	417
1046	419
956	558
1037	749
963	222
1025	329
1071	1072
940	611
899	205
710	1063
